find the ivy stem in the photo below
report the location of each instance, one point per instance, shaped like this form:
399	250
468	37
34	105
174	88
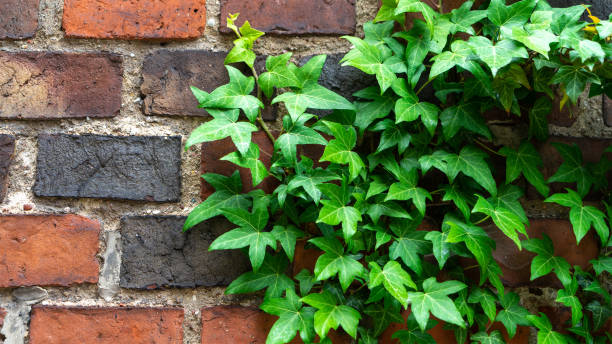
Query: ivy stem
482	220
488	149
440	6
425	85
260	120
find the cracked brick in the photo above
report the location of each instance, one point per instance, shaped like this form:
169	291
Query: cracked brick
143	168
40	85
7	148
156	254
18	18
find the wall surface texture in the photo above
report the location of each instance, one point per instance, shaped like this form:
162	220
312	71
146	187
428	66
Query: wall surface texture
95	183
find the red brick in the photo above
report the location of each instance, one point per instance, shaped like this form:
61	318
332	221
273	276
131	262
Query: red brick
135	19
38	85
18	18
7	148
51	250
607	110
516	265
236	324
92	325
212	152
291	17
592	151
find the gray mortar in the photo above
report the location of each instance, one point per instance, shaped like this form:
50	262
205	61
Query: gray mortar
131	121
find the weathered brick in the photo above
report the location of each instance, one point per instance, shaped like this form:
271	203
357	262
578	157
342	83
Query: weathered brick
607	111
213	151
2	315
18	18
38	85
293	17
135	19
92	325
55	250
516	265
145	168
156	253
592	151
167	76
7	148
236	324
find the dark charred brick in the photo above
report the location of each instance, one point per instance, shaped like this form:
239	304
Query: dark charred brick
7	148
18	18
293	17
607	111
168	76
212	152
106	325
599	8
54	250
143	168
39	85
156	253
135	19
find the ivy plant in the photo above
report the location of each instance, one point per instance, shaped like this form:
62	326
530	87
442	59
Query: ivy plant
415	147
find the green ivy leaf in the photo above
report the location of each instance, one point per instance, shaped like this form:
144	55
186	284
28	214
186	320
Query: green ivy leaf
538	123
313	96
271	275
486	300
224	124
457	56
251	161
428	13
526	160
292	318
574	79
310	182
602	264
409	245
383	314
331	315
514	15
463	115
393	278
228	194
512	313
287	236
545	334
494	337
470	162
464	17
601	313
545	262
434	299
568	297
335	261
497	55
410	108
340	151
235	95
369	58
474	237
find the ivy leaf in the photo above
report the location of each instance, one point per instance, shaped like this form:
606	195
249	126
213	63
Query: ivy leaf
310	182
499	55
464	17
571	170
250	233
458	55
292	318
574	80
545	262
223	125
601	313
410	108
391	209
370	59
516	14
387	12
413	334
568	297
368	112
271	276
384	314
506	220
335	261
428	13
403	192
494	337
434	299
441	248
297	134
463	115
486	300
538	123
287	236
336	211
235	95
589	49
527	161
278	75
474	237
251	161
393	278
512	313
470	162
417	48
536	40
409	245
454	193
602	264
339	149
545	334
582	217
313	96
331	315
228	194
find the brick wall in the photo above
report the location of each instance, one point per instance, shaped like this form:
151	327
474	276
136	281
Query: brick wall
95	185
